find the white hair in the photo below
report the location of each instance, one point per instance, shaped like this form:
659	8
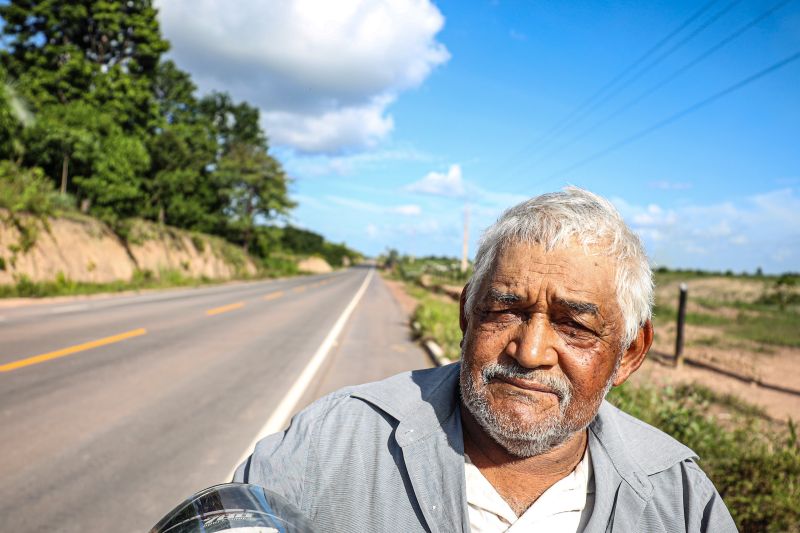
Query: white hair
558	220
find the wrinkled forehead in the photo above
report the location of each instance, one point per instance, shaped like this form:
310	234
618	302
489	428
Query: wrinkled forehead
573	269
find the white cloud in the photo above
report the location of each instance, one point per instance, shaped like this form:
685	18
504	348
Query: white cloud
323	72
409	210
328	131
781	204
422	227
450	183
343	165
740	235
650	216
720	229
406	209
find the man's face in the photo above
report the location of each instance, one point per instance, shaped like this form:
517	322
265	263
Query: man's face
542	346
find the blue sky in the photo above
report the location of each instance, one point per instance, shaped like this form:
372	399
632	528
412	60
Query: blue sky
393	116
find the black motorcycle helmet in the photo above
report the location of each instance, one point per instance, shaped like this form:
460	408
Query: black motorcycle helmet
236	507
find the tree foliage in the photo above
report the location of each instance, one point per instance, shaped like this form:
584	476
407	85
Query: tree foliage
122	130
103	51
255	187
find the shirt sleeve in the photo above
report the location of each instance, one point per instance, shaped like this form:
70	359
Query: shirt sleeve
279	461
708	511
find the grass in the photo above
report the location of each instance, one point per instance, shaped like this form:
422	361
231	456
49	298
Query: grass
438	320
280	265
63	286
772	327
761	324
666	313
730	342
755	469
271	267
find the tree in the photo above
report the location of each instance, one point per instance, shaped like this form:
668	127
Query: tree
61	142
102	51
181	188
87	153
174	90
114	186
123	130
233	123
302	241
256	188
11	121
87	67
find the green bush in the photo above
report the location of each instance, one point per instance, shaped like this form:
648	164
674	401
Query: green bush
438	320
27	288
199	243
63	286
142	277
279	265
26	190
756	471
174	278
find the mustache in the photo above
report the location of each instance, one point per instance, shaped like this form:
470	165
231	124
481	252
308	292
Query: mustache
558	384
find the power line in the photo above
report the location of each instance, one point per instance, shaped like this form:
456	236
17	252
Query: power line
705	55
559	126
676	116
647	68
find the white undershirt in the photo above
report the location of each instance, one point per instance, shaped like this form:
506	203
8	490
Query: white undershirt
557	510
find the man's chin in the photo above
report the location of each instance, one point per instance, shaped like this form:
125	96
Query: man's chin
522	436
529	444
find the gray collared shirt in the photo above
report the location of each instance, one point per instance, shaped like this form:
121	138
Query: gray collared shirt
389	456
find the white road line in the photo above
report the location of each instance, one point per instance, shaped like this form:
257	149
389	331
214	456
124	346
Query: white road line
69	308
285	409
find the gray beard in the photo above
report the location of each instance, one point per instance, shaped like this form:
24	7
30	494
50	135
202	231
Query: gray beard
507	431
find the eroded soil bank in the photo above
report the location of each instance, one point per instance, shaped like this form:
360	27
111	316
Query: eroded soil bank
84	249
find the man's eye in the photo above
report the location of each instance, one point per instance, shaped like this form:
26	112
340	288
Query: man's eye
501	315
574	330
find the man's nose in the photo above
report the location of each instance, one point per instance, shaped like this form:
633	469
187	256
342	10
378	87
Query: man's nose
534	345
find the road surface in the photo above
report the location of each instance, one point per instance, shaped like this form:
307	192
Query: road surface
113	410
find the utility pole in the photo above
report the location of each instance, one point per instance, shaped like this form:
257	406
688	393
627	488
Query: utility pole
465	244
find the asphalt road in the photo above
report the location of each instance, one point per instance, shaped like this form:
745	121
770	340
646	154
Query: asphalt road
113	410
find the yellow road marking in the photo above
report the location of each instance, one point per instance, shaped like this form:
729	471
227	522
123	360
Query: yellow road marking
299	289
36	359
224	308
273	295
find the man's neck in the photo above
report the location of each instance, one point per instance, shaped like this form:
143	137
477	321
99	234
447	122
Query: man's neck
519	480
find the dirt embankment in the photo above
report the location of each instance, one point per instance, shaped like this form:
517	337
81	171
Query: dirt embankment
84	249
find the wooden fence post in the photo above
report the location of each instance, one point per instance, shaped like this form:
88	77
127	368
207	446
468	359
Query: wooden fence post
681	322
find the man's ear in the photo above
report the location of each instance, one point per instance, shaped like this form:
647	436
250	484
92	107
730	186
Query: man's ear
462	315
634	356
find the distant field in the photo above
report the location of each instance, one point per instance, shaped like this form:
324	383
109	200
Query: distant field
734	311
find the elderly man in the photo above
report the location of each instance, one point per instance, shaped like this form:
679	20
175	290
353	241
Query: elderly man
517	437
